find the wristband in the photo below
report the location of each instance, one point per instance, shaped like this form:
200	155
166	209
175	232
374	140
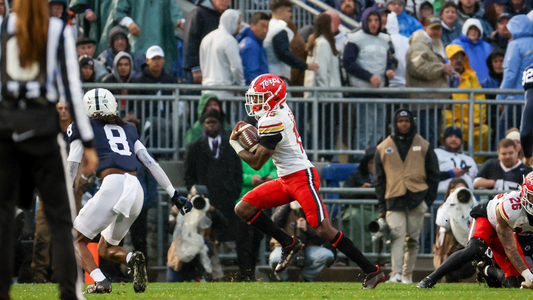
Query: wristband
236	145
451	173
527	275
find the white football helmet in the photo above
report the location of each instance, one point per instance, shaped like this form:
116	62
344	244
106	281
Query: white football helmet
101	101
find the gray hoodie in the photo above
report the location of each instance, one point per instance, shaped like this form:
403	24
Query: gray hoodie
120	55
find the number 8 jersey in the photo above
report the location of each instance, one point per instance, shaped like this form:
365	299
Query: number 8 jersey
509	207
115	145
278	132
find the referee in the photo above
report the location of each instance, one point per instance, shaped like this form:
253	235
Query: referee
38	66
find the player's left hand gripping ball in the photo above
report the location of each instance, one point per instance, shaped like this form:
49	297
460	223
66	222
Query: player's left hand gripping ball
182	203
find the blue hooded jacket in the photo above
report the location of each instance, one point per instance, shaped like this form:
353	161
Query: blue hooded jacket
253	55
518	56
477	53
408	24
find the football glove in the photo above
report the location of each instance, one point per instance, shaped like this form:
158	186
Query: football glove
183	204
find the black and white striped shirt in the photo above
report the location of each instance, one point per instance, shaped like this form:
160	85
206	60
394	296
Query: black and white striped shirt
62	72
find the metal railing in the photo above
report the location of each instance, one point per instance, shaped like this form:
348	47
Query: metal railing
328	126
351	216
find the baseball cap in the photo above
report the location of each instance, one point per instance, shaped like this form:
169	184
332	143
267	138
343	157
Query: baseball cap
453	130
503	16
85	40
154	51
513	135
390	1
432	21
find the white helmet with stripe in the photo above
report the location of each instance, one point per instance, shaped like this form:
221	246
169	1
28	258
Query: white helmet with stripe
100	101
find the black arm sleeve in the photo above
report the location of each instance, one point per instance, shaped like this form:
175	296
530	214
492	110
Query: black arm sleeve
526	131
432	175
380	181
281	214
270	141
351	52
445	175
281	45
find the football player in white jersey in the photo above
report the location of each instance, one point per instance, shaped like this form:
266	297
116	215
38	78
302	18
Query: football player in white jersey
496	224
298	179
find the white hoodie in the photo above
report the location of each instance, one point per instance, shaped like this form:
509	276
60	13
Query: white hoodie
401	45
219	55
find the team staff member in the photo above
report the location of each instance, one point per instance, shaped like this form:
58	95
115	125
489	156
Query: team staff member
38	64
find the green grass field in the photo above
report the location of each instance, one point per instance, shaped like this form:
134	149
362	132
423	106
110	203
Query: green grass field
282	291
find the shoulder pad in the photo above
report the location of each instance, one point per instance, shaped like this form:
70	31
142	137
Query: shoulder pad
510	206
271	124
527	78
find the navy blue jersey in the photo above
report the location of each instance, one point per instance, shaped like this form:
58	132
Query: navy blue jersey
526	130
114	145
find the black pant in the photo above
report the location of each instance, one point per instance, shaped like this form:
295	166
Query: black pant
248	243
25	165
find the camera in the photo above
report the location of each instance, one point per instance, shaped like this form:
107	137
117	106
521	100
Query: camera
379	229
464	196
198	202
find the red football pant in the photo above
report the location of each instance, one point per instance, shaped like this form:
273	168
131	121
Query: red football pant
301	186
487	233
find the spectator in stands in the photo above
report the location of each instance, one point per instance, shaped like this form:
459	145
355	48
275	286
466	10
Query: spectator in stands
87	46
211	161
451	29
219	55
425	67
363	176
207	102
321	50
118	41
122	73
2	7
518	7
517	58
425	10
453	163
95	20
495	65
505	172
472	9
152	71
408	24
339	32
401	45
493	9
459	116
297	48
453	218
514	135
277	42
200	21
501	36
406	185
313	258
367	60
477	50
352	9
157	20
57	8
253	55
87	73
249	238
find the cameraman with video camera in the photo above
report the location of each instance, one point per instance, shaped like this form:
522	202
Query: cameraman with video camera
313	258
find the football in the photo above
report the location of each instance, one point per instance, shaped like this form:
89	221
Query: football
249	137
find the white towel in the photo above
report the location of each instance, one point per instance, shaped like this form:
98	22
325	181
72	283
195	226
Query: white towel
128	196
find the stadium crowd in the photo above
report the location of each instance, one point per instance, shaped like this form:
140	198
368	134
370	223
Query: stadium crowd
432	44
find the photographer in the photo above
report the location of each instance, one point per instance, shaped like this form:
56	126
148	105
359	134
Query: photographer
191	252
453	220
313	258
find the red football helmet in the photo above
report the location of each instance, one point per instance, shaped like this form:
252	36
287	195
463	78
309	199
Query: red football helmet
527	189
266	93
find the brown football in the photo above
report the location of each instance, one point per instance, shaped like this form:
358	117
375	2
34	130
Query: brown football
249	137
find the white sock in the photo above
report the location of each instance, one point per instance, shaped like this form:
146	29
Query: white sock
97	275
128	258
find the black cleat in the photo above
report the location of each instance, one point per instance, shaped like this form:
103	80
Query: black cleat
482	266
101	287
426	283
288	253
137	264
373	279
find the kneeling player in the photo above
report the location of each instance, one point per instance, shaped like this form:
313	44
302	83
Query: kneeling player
298	179
119	201
495	227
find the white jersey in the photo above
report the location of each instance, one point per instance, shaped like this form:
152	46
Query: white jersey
449	160
509	207
289	155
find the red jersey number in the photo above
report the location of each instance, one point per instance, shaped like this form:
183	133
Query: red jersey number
516	203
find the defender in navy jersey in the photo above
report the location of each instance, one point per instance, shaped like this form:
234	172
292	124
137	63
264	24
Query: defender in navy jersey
119	201
526	129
